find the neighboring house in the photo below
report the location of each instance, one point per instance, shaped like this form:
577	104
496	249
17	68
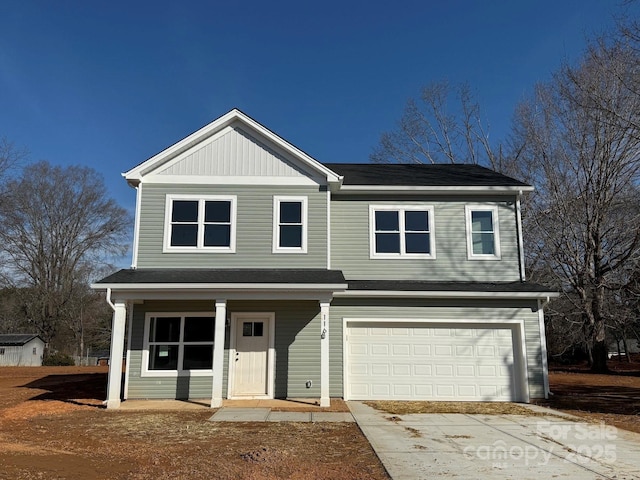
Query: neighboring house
259	272
21	350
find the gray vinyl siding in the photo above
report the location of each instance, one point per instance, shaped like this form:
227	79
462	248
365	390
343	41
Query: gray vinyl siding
165	387
297	350
297	344
350	250
254	231
441	310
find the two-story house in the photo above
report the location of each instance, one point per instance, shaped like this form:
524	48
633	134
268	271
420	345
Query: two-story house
259	272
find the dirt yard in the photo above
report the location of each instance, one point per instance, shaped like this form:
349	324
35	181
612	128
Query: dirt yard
53	426
613	398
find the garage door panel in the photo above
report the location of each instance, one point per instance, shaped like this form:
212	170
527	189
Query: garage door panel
430	361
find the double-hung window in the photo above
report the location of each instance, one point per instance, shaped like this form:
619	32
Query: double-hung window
179	342
401	231
289	224
483	240
200	223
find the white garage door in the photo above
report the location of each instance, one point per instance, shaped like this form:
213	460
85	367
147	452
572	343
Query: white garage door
426	361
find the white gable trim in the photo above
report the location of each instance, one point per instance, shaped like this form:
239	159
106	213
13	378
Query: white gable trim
136	174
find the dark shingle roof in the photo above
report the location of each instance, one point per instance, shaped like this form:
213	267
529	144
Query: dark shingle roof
429	175
240	275
417	286
15	340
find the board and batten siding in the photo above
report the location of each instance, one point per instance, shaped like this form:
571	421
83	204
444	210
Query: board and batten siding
297	350
442	311
23	355
350	239
254	231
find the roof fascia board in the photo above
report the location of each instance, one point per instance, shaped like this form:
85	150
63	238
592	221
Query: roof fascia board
231	180
444	294
134	176
432	190
220	286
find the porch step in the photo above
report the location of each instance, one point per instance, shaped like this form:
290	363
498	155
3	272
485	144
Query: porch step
236	414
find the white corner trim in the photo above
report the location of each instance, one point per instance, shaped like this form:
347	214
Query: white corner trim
328	229
543	348
277	200
468	209
523	275
136	227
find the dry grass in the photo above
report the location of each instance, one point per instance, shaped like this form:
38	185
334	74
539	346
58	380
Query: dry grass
470	408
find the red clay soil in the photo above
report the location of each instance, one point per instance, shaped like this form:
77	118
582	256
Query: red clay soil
612	398
53	426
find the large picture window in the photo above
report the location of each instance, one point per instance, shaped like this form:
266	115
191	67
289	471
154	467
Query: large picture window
483	239
179	342
200	223
290	224
401	231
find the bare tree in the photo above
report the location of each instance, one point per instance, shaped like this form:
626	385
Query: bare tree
58	224
443	126
578	141
11	157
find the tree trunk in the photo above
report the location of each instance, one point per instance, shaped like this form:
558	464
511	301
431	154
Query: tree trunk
599	357
626	349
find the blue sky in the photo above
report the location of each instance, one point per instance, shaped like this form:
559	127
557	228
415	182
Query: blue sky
108	84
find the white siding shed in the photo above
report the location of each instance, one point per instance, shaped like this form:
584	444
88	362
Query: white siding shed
21	350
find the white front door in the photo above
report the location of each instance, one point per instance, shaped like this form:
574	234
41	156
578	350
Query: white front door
250	369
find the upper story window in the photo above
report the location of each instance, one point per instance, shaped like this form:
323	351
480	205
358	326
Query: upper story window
483	240
289	224
401	231
179	342
200	223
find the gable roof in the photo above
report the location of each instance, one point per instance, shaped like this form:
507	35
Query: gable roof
16	340
235	117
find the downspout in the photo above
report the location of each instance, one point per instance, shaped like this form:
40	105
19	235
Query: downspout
523	275
543	347
108	298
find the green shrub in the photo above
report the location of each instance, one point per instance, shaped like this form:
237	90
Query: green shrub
58	360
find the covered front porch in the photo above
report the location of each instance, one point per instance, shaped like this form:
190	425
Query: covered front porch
223	334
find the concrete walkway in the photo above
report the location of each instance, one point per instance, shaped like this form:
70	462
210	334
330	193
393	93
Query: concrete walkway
261	414
422	446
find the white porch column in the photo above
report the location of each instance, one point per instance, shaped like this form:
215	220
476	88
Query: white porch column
324	355
115	357
218	353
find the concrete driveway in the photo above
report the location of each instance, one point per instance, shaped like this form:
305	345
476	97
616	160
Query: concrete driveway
427	446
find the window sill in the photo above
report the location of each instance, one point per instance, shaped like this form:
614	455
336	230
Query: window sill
197	250
176	373
398	256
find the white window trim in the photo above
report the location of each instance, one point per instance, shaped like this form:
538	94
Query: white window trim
200	248
276	224
402	255
146	372
496	232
